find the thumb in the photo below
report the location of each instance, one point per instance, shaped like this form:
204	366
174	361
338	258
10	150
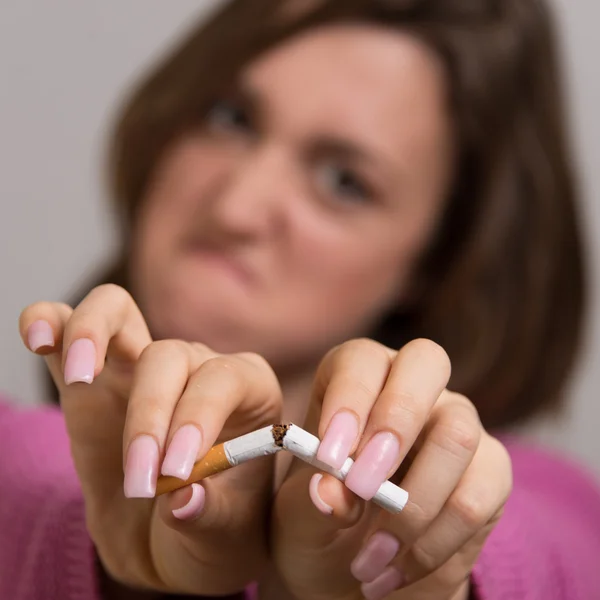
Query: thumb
318	526
211	518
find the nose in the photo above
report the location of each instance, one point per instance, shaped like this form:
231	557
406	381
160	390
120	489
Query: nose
249	199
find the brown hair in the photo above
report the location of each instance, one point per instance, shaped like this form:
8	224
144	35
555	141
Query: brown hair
504	284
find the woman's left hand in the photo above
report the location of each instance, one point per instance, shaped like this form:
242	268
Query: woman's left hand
392	412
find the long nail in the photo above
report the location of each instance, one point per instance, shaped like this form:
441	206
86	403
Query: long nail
313	490
373	465
375	556
338	439
40	334
194	505
141	468
182	452
390	580
81	362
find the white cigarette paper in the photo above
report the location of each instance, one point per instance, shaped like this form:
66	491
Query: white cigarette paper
304	445
251	445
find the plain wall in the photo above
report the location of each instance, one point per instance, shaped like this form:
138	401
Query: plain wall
63	67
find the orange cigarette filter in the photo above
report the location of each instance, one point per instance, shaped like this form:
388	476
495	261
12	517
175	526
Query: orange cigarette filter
221	457
215	461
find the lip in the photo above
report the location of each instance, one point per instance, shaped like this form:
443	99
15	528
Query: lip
222	261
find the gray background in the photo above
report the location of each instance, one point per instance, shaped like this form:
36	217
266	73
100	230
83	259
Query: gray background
63	67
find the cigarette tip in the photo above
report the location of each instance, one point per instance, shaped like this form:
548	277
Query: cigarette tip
279	430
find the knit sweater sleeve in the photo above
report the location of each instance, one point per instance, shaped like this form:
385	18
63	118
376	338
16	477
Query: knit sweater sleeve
45	550
547	544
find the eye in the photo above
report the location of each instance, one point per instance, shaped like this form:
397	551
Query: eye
343	183
228	115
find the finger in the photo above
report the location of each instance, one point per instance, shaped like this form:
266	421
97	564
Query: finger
450	442
186	504
476	502
348	383
472	506
41	326
226	396
108	314
332	526
217	513
161	376
417	377
451	580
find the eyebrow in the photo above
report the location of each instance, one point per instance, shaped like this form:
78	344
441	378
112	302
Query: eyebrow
324	144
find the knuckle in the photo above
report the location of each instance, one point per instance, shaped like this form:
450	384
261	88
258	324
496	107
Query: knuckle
161	348
223	366
362	347
425	558
460	437
432	352
268	375
470	509
403	412
201	349
113	293
417	519
256	360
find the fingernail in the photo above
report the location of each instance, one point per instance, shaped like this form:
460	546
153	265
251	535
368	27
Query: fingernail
373	465
194	506
141	468
338	439
313	490
390	580
182	452
40	334
375	556
81	362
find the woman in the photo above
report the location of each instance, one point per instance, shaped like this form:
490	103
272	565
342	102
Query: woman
327	207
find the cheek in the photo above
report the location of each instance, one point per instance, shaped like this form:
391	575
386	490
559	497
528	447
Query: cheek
349	266
364	266
174	199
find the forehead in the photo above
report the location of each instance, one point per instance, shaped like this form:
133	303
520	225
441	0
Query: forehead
353	79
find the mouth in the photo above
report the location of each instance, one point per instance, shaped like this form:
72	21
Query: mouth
220	260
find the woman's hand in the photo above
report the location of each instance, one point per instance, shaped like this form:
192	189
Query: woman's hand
152	405
390	410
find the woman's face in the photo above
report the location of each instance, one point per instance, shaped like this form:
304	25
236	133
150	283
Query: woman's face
292	218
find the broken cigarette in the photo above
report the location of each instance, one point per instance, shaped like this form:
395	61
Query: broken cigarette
270	440
304	445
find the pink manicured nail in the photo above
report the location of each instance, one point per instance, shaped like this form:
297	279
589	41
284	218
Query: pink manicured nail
182	452
390	580
375	556
313	490
40	334
81	362
373	465
141	468
338	439
195	504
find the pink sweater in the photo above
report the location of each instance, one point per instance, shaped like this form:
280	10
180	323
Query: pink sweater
546	547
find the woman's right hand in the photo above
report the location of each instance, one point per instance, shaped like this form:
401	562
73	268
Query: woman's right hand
150	405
